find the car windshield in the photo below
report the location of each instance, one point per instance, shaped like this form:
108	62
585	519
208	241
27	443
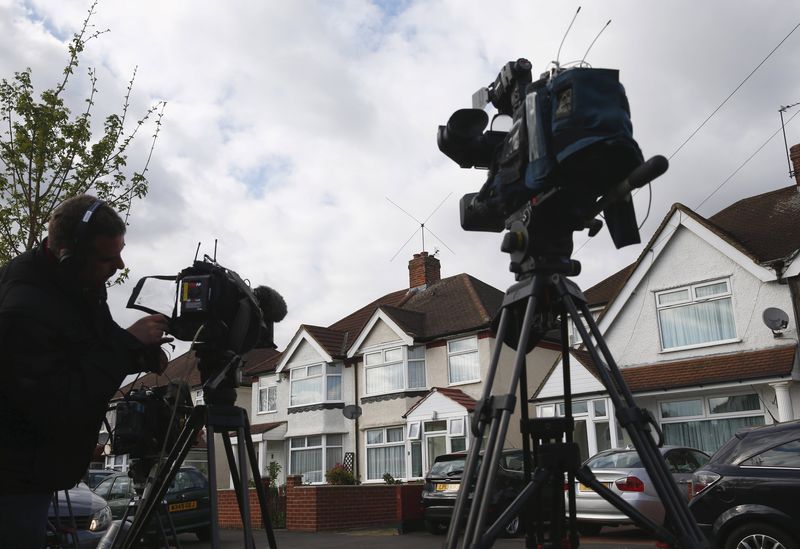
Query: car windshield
624	459
449	467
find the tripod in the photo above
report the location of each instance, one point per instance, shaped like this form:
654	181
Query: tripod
221	416
542	300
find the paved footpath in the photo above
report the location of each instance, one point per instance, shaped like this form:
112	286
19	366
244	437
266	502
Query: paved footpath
389	539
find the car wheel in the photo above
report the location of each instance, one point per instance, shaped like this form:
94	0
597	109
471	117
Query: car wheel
759	535
589	528
204	533
434	526
513	528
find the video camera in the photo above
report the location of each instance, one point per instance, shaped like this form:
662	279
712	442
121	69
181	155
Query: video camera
149	418
213	306
570	144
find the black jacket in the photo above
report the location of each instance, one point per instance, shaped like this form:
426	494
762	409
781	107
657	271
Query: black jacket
62	358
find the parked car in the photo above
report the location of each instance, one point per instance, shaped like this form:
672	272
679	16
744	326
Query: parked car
90	513
622	471
187	500
747	494
443	482
93	476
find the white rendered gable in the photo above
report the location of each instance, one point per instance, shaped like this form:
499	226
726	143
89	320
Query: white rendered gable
303	349
379	330
581	381
436	402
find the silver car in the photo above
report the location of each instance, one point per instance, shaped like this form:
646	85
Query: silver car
623	472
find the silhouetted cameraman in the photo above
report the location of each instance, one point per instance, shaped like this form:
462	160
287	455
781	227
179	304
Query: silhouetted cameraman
63	358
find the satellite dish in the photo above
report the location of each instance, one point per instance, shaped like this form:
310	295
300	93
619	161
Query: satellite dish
775	319
351	411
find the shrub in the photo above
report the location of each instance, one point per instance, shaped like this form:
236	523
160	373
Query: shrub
340	475
389	479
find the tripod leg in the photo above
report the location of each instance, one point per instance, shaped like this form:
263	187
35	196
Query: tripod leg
260	489
212	486
635	421
477	428
165	475
240	481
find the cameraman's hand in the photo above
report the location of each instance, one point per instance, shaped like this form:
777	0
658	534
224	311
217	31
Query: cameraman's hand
150	330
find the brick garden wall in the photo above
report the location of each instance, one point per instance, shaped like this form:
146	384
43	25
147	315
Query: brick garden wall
326	507
230	517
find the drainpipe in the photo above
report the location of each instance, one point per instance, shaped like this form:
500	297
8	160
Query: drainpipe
355	435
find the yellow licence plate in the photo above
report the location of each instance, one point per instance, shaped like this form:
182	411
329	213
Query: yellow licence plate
441	487
185	506
583	488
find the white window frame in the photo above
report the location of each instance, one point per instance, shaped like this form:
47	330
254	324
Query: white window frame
450	354
692	299
405	362
324	374
267	384
707	414
199	397
385	444
323	447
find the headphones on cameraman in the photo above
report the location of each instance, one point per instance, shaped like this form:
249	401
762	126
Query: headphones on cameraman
80	240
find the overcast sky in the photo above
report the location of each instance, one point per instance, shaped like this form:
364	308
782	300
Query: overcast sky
290	123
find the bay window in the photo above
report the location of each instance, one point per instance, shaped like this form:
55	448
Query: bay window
316	383
394	369
695	315
312	455
386	453
706	423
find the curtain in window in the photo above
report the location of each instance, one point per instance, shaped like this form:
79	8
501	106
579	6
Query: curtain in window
697	323
707	435
308	463
464	367
416	374
388	459
334	388
384	379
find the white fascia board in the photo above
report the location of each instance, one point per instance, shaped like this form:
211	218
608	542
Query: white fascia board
747	263
704	388
793	269
376	316
641	271
299	337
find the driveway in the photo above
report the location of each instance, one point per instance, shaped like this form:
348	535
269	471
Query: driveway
621	538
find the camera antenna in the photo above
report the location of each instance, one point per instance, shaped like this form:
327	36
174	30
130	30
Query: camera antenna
215	250
558	54
595	40
197	251
421	226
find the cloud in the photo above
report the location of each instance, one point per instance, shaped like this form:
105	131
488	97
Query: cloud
288	124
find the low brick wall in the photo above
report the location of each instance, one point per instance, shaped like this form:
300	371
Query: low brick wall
229	515
326	507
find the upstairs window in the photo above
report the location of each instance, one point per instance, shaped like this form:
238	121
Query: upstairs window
395	369
267	396
316	383
696	315
462	360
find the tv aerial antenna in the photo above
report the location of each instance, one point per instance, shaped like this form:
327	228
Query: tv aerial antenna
421	227
782	110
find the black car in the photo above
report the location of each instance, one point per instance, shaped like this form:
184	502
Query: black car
747	494
187	500
80	520
93	476
444	480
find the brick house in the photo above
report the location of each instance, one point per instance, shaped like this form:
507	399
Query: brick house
410	365
684	323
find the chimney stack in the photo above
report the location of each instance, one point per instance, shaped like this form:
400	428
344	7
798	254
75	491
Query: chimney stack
423	270
794	156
